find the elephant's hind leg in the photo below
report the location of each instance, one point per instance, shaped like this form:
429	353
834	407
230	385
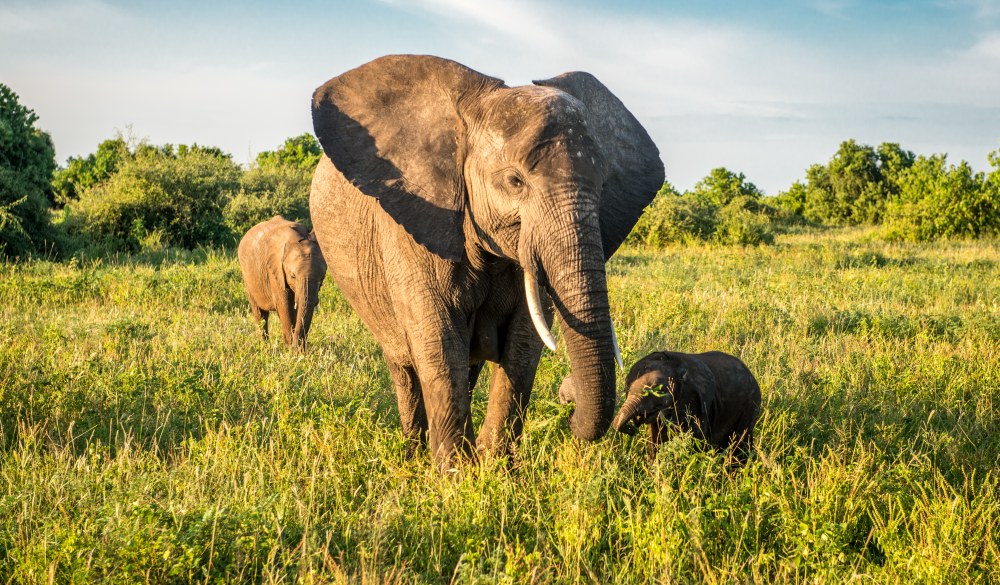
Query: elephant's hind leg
410	400
510	387
259	317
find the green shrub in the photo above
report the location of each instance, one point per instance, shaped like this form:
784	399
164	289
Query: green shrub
266	191
673	218
721	186
27	159
744	221
84	172
302	152
938	200
159	197
853	188
697	216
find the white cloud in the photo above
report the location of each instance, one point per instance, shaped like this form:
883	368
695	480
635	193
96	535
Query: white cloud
74	16
725	94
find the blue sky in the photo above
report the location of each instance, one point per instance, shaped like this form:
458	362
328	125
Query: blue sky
763	88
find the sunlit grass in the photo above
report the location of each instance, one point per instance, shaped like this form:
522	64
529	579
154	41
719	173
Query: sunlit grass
148	434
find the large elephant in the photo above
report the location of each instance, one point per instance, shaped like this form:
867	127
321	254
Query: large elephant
445	199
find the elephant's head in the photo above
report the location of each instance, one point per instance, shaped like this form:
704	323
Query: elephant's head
305	270
551	176
661	386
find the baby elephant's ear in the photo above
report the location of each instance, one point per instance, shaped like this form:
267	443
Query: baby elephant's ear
700	381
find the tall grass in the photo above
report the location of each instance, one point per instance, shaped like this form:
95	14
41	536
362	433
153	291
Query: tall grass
148	435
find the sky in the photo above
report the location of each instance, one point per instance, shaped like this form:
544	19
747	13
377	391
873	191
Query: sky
761	88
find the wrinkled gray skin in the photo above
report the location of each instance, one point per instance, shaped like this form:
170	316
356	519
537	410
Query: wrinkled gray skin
439	186
283	270
713	394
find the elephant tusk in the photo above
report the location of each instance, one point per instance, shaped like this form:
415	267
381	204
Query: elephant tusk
535	309
618	350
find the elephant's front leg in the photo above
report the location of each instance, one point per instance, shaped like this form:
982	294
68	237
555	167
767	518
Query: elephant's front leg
409	399
510	386
285	304
441	359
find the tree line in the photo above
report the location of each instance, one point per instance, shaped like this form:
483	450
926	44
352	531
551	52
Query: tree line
129	195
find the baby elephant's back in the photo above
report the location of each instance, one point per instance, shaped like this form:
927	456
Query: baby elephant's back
255	246
736	383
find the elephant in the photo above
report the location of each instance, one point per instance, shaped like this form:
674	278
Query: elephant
283	269
712	394
456	212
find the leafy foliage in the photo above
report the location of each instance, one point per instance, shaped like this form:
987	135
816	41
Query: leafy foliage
302	152
160	195
938	200
722	186
277	184
723	208
853	188
269	190
27	160
82	173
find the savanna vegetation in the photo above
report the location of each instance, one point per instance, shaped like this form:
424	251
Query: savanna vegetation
148	435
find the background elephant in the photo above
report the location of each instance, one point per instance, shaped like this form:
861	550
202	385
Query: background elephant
283	270
713	394
445	200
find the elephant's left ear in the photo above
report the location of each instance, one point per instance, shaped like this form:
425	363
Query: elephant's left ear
635	171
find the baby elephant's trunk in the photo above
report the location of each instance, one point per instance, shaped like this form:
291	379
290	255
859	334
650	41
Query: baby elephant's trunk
305	303
632	408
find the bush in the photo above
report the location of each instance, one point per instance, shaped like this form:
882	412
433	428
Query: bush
744	221
302	152
722	186
937	200
673	218
266	191
82	173
694	217
160	197
853	188
27	160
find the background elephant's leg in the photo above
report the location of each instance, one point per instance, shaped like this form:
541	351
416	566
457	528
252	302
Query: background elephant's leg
412	415
474	371
657	434
259	317
286	312
510	387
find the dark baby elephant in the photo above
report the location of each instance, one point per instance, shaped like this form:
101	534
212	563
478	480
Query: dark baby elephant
283	270
712	394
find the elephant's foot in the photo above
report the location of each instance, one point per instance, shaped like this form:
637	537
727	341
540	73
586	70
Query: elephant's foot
450	457
496	443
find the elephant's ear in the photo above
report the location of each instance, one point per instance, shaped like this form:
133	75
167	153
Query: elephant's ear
699	380
393	128
635	170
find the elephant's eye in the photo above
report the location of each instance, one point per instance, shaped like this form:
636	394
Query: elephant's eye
515	182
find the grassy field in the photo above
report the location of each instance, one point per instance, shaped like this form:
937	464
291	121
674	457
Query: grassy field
148	435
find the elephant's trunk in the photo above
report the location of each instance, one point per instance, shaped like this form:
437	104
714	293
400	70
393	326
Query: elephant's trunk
632	408
573	262
304	305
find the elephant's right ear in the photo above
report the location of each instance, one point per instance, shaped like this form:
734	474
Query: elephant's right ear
392	127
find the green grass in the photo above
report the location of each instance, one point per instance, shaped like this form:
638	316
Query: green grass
148	435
